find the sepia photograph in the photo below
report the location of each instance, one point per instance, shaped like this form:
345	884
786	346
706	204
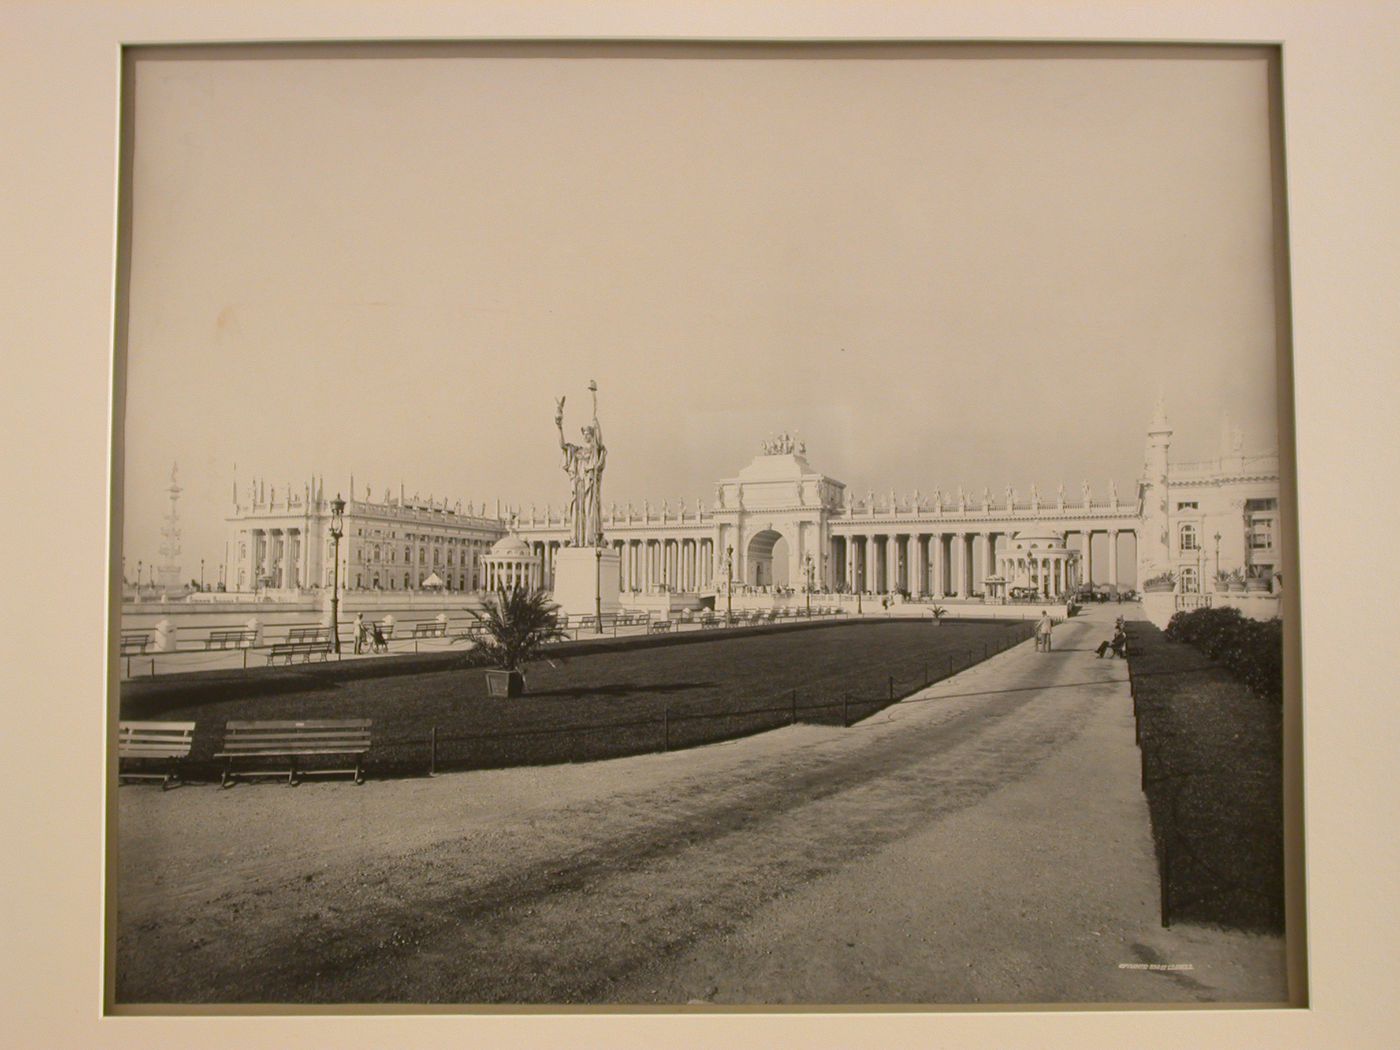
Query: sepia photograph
702	526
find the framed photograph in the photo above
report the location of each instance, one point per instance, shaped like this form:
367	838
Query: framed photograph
639	527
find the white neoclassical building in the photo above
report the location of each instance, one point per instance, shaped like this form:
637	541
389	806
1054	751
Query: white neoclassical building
280	542
779	520
941	545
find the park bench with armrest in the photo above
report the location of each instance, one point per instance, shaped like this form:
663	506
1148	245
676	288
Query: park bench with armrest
658	626
297	742
134	642
166	743
430	629
223	637
308	634
288	651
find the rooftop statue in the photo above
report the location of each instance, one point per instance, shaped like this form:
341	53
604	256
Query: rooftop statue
584	463
782	445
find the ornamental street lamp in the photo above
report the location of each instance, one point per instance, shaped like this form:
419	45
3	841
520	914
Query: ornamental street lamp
1217	555
729	587
337	526
809	586
201	574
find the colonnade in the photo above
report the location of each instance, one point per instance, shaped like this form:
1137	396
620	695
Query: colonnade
681	564
506	572
953	564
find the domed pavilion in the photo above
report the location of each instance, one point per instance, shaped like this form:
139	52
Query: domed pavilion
1037	559
510	564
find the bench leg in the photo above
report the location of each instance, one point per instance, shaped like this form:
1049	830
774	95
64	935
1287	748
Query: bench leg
292	773
226	781
359	772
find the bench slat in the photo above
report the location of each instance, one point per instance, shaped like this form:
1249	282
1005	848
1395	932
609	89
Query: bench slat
242	744
309	723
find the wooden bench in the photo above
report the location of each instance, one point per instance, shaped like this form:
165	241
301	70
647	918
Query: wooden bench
308	634
710	621
429	629
296	742
238	637
164	742
658	627
287	651
135	642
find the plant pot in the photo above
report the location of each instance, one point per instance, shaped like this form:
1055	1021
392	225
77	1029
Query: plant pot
1237	588
505	683
1255	586
1159	588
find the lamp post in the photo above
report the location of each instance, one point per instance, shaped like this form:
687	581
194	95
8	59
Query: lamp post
1217	555
337	526
201	574
729	586
809	586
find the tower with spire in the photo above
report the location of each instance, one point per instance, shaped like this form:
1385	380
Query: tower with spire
168	572
1154	544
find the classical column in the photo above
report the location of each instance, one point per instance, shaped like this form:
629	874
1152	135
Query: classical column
891	563
1113	560
983	542
917	585
1088	535
957	554
936	572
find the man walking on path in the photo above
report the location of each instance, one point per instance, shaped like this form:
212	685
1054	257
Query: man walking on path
1042	632
359	633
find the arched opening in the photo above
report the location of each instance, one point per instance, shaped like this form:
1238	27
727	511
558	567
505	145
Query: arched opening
766	561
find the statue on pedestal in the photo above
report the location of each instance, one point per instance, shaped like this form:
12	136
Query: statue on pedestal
584	464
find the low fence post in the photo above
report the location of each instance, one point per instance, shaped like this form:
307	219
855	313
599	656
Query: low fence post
845	710
1166	882
794	707
665	729
432	752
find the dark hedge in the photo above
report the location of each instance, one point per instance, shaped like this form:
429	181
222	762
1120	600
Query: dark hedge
1252	650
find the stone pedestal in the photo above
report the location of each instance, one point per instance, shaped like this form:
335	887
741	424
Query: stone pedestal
581	576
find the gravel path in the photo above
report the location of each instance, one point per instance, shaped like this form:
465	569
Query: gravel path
984	841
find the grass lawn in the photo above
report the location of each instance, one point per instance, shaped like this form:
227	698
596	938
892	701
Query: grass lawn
604	701
1213	762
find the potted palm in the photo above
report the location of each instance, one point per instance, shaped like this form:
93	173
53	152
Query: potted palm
938	612
1235	581
517	624
1222	580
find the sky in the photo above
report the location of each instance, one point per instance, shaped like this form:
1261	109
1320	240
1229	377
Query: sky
964	268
